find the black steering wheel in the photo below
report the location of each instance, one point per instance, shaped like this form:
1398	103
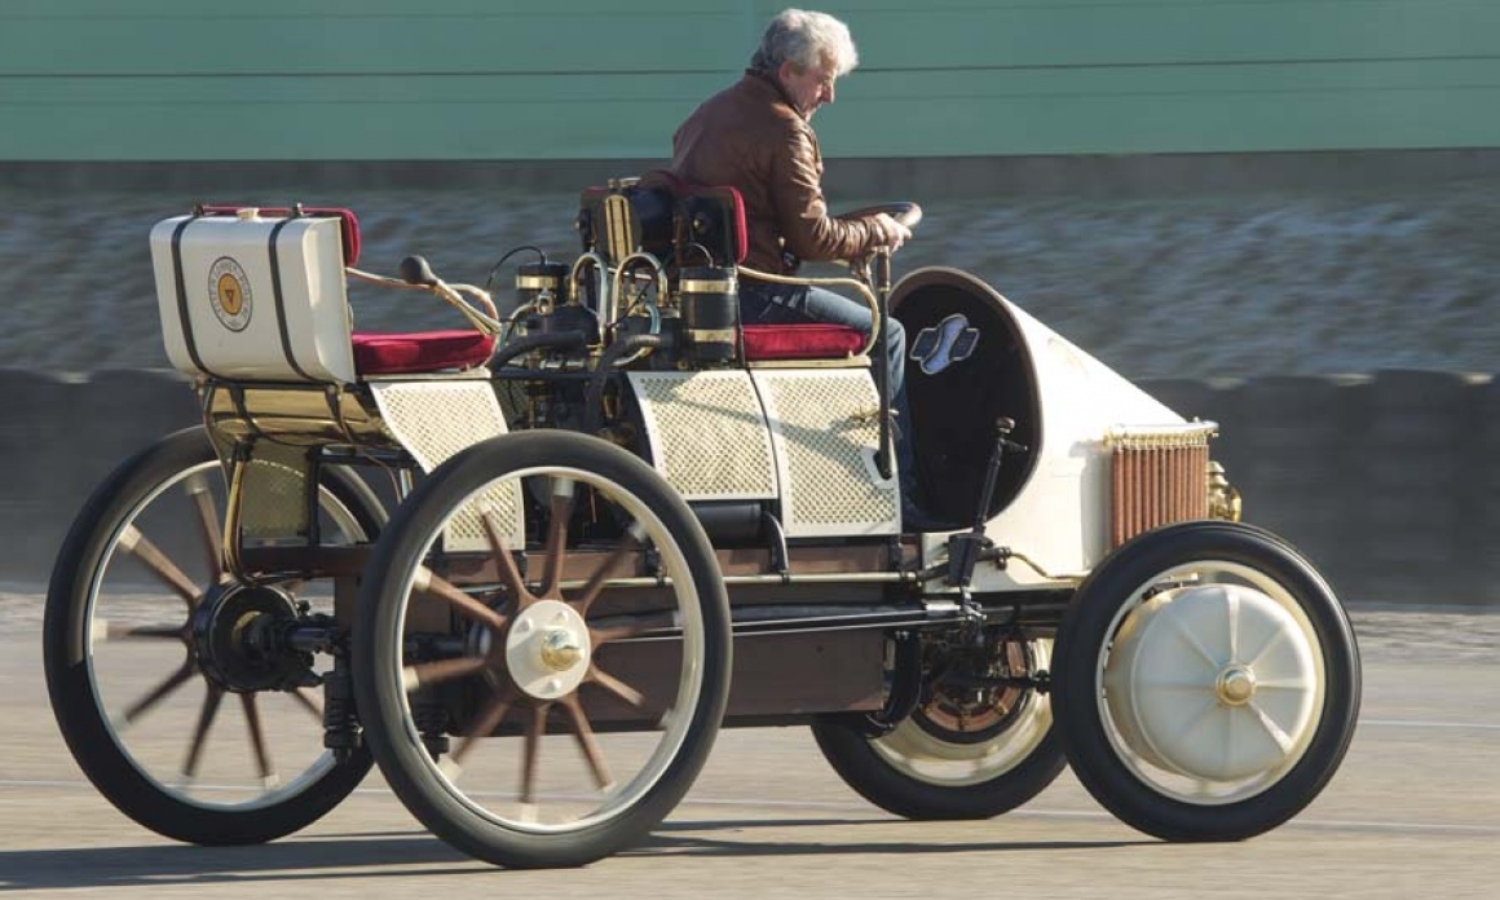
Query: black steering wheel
908	214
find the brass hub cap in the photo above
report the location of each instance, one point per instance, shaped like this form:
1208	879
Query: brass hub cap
547	650
561	649
1235	686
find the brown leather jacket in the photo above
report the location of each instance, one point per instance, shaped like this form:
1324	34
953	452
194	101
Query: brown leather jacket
750	137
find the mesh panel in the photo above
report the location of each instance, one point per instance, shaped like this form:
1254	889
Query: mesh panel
273	499
708	434
826	436
434	420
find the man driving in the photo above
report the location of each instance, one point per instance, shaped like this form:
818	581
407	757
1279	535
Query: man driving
756	136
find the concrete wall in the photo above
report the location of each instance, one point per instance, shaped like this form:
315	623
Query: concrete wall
588	79
1388	482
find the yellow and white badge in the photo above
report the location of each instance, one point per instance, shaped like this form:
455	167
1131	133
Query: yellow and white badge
229	293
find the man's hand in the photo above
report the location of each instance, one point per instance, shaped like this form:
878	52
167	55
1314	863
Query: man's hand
892	233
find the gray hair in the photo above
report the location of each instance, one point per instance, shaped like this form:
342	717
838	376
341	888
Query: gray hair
806	40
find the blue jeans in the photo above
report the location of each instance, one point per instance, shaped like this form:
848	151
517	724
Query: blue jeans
763	303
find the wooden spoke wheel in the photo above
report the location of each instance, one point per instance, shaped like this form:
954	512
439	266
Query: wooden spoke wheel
552	714
149	661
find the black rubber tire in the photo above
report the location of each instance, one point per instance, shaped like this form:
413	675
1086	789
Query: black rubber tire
70	683
1084	634
854	756
404	761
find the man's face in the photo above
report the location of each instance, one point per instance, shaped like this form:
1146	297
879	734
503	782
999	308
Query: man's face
809	88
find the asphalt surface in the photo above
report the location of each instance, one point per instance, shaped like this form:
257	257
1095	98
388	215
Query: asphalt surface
1414	812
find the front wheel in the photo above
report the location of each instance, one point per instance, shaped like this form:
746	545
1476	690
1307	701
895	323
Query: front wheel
587	604
1207	683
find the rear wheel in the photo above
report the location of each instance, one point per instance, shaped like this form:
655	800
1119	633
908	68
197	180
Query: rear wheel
966	752
463	682
145	662
1208	683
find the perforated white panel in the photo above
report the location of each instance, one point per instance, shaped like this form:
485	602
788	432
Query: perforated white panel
434	420
273	498
708	434
825	436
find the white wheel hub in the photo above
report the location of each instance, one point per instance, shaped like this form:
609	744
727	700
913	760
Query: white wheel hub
548	650
1216	682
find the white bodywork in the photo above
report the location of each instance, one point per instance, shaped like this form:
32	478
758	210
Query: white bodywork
225	313
1059	519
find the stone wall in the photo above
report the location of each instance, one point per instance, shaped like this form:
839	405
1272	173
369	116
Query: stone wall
1385	481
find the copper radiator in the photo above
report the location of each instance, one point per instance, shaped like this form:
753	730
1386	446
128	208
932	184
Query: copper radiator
1157	476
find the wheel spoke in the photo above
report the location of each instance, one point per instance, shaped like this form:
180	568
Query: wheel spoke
430	673
534	731
1200	719
1277	733
488	721
1275	637
258	741
1285	684
616	686
1192	641
599	636
307	701
159	693
557	534
510	576
197	488
1230	749
1232	611
134	542
200	733
435	586
118	631
634	538
586	740
641	625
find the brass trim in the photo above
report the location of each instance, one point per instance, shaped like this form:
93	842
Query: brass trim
538	282
233	512
701	286
1161	437
617	221
291	414
845	362
712	335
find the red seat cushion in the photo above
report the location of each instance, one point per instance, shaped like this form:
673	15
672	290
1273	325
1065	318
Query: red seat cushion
421	351
810	341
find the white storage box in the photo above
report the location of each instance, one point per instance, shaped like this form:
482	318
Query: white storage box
254	299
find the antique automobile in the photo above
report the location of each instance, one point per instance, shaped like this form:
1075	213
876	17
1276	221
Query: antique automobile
532	565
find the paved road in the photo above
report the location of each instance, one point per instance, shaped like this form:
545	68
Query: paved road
1415	812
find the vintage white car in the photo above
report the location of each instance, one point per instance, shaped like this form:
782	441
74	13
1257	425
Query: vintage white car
532	565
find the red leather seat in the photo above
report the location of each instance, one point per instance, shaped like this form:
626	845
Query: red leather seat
421	351
802	341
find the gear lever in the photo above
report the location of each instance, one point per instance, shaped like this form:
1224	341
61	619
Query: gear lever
965	548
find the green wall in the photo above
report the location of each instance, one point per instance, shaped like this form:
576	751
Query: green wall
84	80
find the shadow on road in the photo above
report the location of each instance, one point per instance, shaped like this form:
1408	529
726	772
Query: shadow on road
417	854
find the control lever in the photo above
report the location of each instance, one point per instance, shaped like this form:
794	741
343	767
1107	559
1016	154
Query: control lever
415	270
966	548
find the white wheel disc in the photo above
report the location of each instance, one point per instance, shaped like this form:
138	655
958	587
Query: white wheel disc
1215	682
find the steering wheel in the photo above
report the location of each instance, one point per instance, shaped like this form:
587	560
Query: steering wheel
908	214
